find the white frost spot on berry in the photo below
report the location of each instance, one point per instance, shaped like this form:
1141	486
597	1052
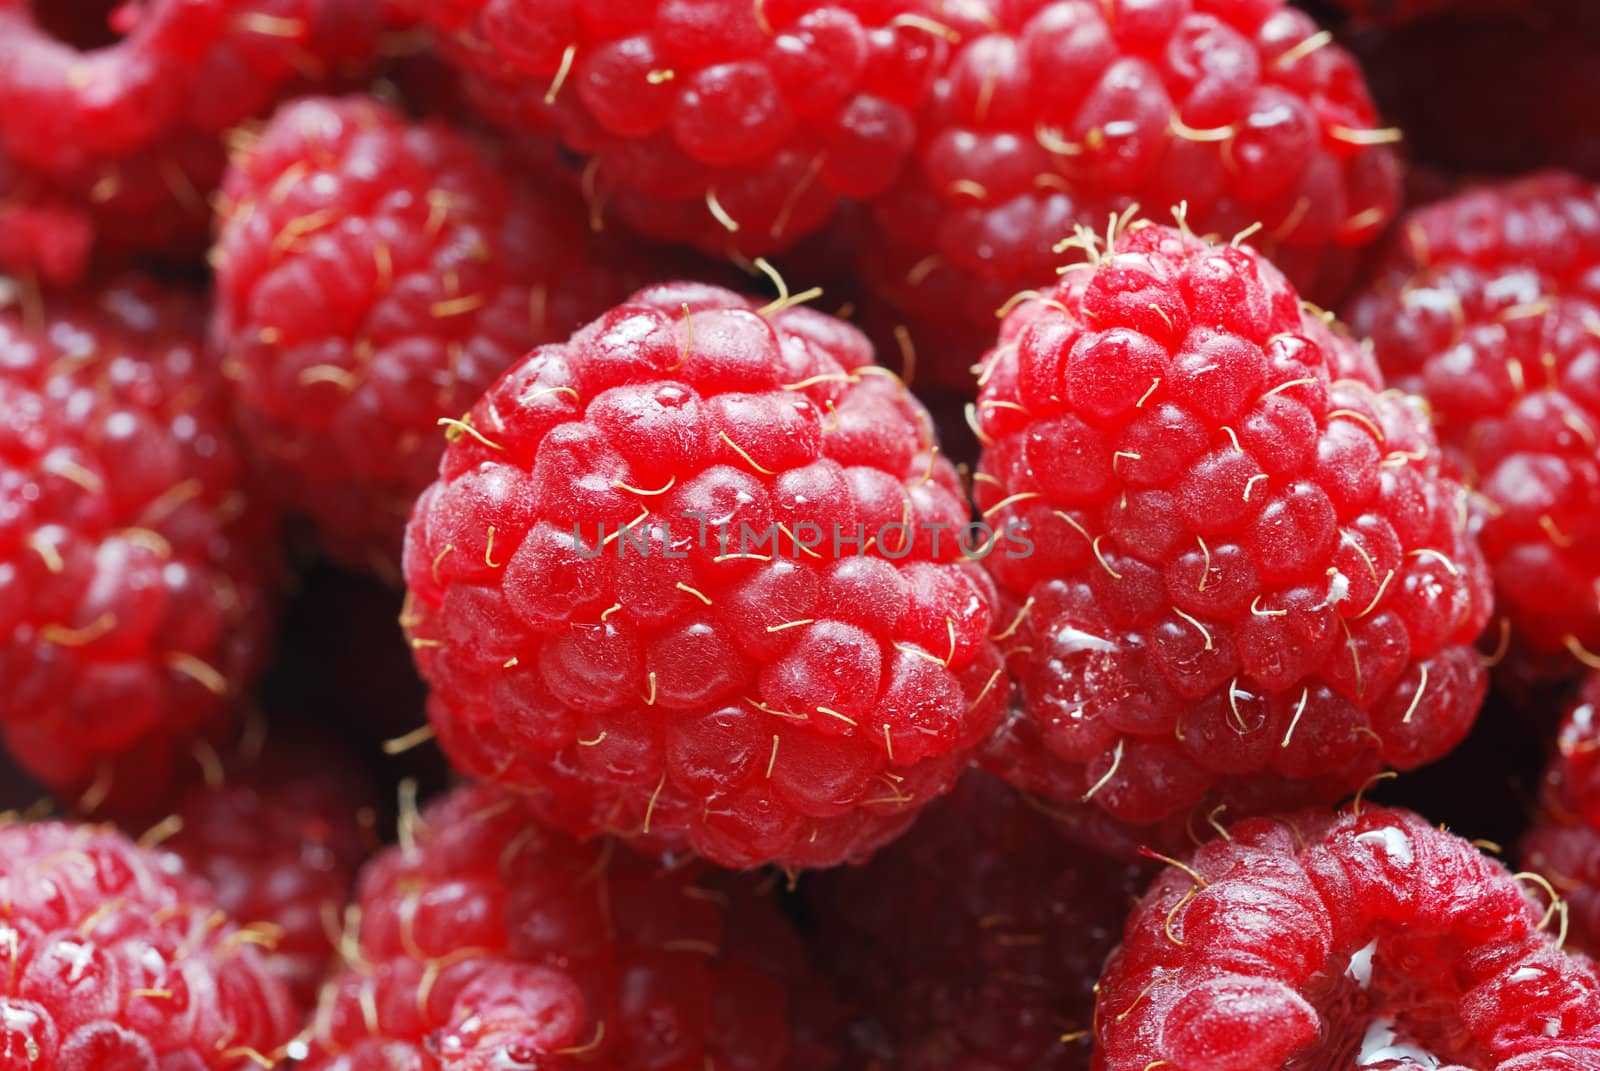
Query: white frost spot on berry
1338	588
1396	845
1071	641
1382	1047
1360	968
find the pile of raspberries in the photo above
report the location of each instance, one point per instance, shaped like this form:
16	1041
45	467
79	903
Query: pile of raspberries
799	535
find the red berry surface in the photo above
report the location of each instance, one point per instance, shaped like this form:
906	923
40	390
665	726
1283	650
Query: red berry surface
1489	308
725	123
120	124
1251	579
119	961
487	942
375	275
1364	939
1052	114
279	840
696	576
132	563
973	943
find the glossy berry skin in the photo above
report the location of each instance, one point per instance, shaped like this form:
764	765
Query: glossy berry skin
732	125
133	565
126	139
702	681
487	942
1252	583
119	961
279	840
1340	940
973	942
1052	114
375	275
1487	308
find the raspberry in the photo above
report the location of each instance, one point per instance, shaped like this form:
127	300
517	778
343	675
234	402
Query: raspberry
683	577
487	942
279	842
118	961
975	940
1487	309
375	275
1250	577
1367	938
729	124
1051	114
1578	746
127	134
132	564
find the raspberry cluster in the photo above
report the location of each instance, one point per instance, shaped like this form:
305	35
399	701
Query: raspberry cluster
1367	938
113	132
133	566
1252	578
117	960
697	577
1488	309
485	941
1053	114
374	276
727	124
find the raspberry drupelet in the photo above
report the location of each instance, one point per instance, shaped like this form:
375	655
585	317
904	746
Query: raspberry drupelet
730	124
698	577
1489	309
1252	581
375	275
484	941
133	566
121	127
973	942
1367	938
279	838
119	961
1051	114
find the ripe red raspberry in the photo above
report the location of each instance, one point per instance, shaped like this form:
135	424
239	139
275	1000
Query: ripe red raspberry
975	940
1488	309
729	124
132	563
487	942
1251	578
373	276
1050	114
119	961
696	576
279	840
1363	939
123	126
